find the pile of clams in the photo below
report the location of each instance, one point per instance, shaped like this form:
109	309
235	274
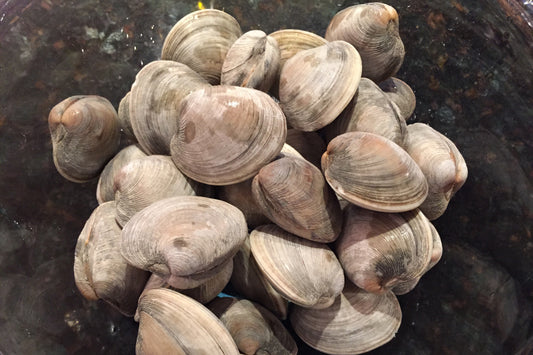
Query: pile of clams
278	168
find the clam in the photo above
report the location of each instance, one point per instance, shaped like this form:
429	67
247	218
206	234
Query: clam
373	172
317	84
379	251
124	117
294	194
100	271
401	94
355	323
372	29
156	95
252	61
143	181
254	329
201	41
185	240
171	323
104	189
85	135
442	164
227	133
369	111
309	144
306	273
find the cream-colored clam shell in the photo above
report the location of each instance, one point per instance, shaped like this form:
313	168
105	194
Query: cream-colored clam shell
124	117
317	84
156	95
201	40
379	251
292	41
171	323
306	273
227	133
356	323
373	172
401	94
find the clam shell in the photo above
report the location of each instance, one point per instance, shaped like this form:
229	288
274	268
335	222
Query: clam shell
372	29
124	117
252	61
201	41
226	134
294	194
317	84
171	323
184	240
156	95
85	136
401	94
379	250
355	323
306	273
292	41
309	144
373	172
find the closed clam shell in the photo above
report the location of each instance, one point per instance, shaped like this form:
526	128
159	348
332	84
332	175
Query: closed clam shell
355	323
442	164
100	271
85	136
309	144
227	133
252	61
171	323
185	240
144	181
379	251
104	189
372	29
254	329
370	110
201	40
293	193
373	172
399	92
306	273
156	95
317	84
124	117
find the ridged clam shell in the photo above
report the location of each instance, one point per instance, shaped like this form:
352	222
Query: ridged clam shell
379	250
156	95
442	164
317	84
100	271
124	117
85	136
293	193
306	273
201	40
171	323
372	29
309	144
401	94
373	172
185	240
227	133
355	323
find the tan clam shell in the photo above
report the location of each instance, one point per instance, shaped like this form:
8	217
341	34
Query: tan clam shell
309	144
355	323
252	61
442	164
144	181
292	41
201	40
254	329
381	250
372	29
250	282
373	172
306	273
104	189
227	133
317	84
171	323
185	240
294	194
156	95
85	136
100	271
399	92
370	110
124	117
